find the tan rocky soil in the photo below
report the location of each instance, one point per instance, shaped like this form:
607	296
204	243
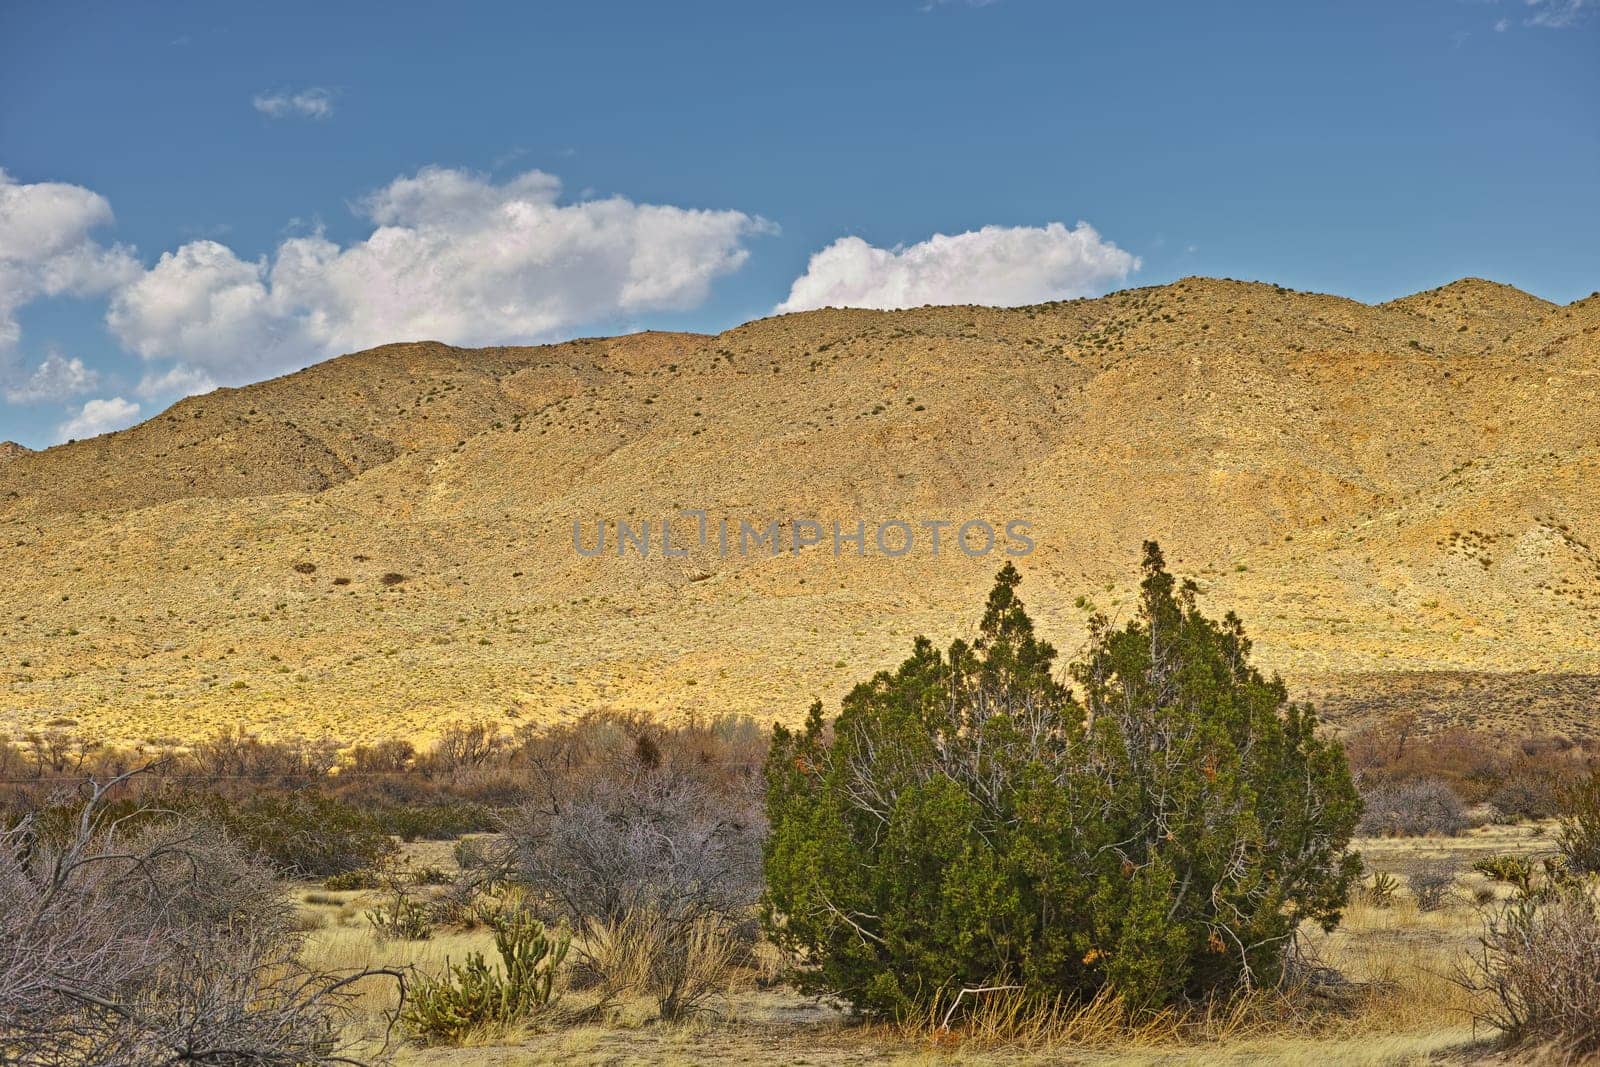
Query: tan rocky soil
1377	490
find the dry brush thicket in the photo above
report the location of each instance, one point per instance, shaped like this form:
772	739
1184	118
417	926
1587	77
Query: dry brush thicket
154	942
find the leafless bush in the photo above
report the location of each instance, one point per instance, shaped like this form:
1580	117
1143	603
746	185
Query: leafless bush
241	755
1527	796
1433	880
58	751
1413	809
1520	777
464	744
384	757
157	945
1540	959
655	834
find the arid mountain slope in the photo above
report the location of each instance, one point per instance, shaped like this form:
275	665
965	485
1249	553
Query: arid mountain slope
385	540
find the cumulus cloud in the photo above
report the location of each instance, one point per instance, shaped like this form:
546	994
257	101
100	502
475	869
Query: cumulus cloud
997	265
205	305
311	103
46	248
176	382
57	378
453	256
98	417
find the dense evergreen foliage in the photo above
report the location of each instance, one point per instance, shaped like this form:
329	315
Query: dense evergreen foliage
1157	829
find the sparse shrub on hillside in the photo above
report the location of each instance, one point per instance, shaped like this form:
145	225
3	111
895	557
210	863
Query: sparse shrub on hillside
1579	836
1539	957
1414	809
968	822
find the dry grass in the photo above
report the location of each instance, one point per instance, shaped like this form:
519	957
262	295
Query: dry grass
1400	1002
633	958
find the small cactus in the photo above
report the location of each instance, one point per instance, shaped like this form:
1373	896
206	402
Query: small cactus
1381	889
1514	870
472	993
402	919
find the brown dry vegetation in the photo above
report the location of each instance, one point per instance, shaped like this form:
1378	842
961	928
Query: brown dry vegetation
1381	988
1397	999
1404	487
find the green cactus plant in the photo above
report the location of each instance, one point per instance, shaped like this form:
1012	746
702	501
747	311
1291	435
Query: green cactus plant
1514	870
402	919
1380	891
471	994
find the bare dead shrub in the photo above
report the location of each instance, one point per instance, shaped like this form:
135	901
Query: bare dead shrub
1413	809
382	757
158	945
1527	795
1433	880
647	834
1539	957
244	756
1521	778
464	744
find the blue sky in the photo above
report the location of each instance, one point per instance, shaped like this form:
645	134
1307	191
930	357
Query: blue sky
201	194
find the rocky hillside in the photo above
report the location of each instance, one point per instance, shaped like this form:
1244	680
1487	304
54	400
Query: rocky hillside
385	540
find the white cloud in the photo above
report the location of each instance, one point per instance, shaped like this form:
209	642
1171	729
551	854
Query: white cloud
453	257
46	250
997	265
311	103
205	305
1556	14
177	381
55	379
98	417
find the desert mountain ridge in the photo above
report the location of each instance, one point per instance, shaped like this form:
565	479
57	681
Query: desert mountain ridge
384	541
